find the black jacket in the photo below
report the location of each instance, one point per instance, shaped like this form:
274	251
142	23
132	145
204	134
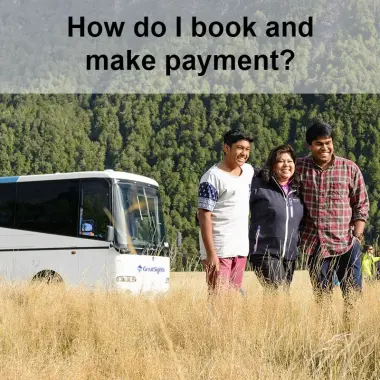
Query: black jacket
275	219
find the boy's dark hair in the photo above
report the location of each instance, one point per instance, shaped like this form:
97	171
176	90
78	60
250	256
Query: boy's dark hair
318	129
234	135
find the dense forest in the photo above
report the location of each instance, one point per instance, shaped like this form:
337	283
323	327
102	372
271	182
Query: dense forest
175	138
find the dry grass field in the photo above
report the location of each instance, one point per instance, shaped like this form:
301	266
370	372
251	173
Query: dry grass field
53	332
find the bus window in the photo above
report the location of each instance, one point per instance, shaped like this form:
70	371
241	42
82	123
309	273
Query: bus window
7	204
143	214
48	206
95	206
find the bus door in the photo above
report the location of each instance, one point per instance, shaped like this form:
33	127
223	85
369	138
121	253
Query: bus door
96	261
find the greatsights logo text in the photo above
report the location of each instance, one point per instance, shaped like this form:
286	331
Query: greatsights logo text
150	269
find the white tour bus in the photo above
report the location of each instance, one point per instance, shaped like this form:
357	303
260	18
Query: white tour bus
86	228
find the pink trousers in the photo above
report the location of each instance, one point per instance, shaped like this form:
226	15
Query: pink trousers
229	276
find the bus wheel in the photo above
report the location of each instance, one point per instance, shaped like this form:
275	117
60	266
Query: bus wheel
48	277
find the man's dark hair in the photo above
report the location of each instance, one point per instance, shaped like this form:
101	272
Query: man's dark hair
234	135
318	129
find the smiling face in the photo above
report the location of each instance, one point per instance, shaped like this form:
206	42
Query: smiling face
237	154
284	167
322	149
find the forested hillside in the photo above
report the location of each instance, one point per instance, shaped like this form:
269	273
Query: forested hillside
175	138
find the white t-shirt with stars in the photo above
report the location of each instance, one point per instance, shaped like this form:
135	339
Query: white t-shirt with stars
227	197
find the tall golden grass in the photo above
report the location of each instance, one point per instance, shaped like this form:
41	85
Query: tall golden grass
56	332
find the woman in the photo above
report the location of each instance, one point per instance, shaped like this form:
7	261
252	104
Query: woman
276	212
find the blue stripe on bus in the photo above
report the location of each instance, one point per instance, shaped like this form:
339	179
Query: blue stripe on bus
9	179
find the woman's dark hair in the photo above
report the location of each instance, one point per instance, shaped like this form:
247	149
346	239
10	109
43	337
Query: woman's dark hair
267	172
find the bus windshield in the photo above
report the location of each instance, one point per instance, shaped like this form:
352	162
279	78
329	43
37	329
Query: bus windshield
141	206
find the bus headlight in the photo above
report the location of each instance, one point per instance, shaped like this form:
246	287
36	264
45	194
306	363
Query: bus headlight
125	279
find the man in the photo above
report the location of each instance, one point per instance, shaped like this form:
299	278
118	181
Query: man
223	209
336	203
369	263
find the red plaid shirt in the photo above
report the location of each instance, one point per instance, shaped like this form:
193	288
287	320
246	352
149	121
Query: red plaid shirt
334	199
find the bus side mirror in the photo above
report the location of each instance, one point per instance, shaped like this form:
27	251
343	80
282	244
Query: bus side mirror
110	233
179	239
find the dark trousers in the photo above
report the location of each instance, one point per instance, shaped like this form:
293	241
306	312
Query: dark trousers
272	271
347	267
377	270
